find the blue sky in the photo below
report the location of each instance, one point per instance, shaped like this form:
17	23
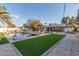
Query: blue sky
49	13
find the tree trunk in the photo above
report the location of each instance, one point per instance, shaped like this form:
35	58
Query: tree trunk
75	29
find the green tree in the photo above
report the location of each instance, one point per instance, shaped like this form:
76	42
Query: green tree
33	24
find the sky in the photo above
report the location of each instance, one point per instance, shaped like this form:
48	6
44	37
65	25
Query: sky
45	12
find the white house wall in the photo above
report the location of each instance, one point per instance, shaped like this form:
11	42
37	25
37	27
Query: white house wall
68	29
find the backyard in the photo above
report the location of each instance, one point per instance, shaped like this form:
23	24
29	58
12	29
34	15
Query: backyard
37	46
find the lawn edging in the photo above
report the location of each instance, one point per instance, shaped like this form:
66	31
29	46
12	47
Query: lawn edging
32	37
16	50
52	47
37	36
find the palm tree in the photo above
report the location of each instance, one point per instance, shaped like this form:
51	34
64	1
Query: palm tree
5	18
74	22
70	21
65	20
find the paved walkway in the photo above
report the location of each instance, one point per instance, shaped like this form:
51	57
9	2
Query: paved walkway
68	46
7	50
16	51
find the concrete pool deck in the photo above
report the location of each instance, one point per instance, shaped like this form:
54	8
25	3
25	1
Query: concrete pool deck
68	46
7	50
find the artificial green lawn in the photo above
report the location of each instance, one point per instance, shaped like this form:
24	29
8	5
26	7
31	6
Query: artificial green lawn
37	46
3	39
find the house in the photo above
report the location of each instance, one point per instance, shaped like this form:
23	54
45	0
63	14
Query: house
61	28
55	27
